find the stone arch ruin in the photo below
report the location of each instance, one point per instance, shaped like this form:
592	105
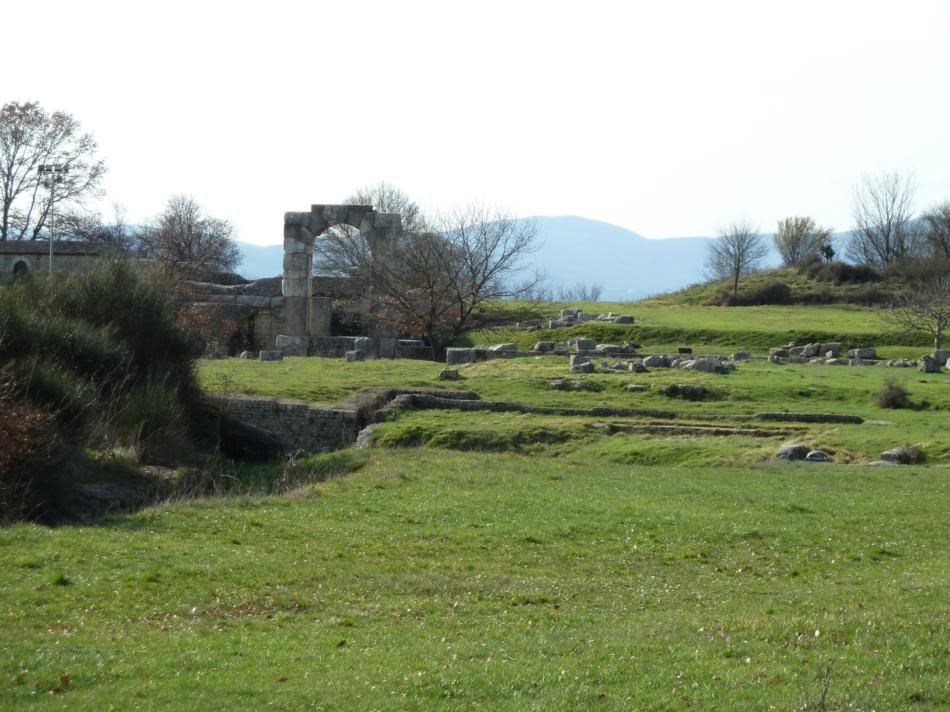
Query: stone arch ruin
303	315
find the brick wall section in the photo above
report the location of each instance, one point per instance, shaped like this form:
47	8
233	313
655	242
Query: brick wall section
296	424
267	325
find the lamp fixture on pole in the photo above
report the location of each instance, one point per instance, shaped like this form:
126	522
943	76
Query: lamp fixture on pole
51	174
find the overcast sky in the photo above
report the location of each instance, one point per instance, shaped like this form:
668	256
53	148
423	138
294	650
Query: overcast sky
667	118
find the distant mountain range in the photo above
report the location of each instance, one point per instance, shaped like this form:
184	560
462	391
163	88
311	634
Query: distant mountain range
576	250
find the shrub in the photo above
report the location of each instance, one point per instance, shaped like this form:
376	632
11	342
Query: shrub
30	441
772	292
842	272
93	357
893	395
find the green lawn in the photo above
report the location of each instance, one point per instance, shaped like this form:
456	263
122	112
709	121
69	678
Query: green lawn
753	387
519	561
441	580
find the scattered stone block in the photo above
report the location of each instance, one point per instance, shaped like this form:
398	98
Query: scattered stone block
656	361
817	456
741	356
449	374
898	456
363	344
792	451
455	356
941	355
271	356
585	367
355	355
863	353
543	347
707	364
686	391
581	344
293	345
927	364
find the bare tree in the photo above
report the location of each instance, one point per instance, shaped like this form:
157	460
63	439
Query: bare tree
800	241
923	309
442	280
885	231
186	242
29	138
738	250
937	221
342	239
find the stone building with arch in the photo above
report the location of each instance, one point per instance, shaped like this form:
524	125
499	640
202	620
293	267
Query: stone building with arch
22	258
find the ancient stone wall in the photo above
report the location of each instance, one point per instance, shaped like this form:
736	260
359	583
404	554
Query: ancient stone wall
332	346
267	325
295	424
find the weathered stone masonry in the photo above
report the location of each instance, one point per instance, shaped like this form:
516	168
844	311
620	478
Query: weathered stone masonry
295	424
303	316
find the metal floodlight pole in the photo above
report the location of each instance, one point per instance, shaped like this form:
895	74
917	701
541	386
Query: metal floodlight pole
55	172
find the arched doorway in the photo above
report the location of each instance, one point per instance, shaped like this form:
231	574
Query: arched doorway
300	230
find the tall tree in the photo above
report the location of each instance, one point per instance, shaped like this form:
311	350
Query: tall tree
345	240
31	137
885	231
439	280
186	242
737	251
937	226
924	308
800	241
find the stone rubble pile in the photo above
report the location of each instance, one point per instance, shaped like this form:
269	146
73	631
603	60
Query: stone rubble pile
573	317
832	354
581	363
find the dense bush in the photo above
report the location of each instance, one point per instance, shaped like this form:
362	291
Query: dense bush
893	395
29	442
100	360
772	292
842	272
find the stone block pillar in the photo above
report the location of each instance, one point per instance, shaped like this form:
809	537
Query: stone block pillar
296	284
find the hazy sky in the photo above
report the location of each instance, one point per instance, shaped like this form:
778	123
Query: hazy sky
668	118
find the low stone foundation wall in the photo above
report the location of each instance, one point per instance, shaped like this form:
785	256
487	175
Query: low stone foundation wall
295	424
420	353
332	346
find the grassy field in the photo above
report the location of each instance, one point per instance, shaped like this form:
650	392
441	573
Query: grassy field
663	326
754	387
517	560
435	579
